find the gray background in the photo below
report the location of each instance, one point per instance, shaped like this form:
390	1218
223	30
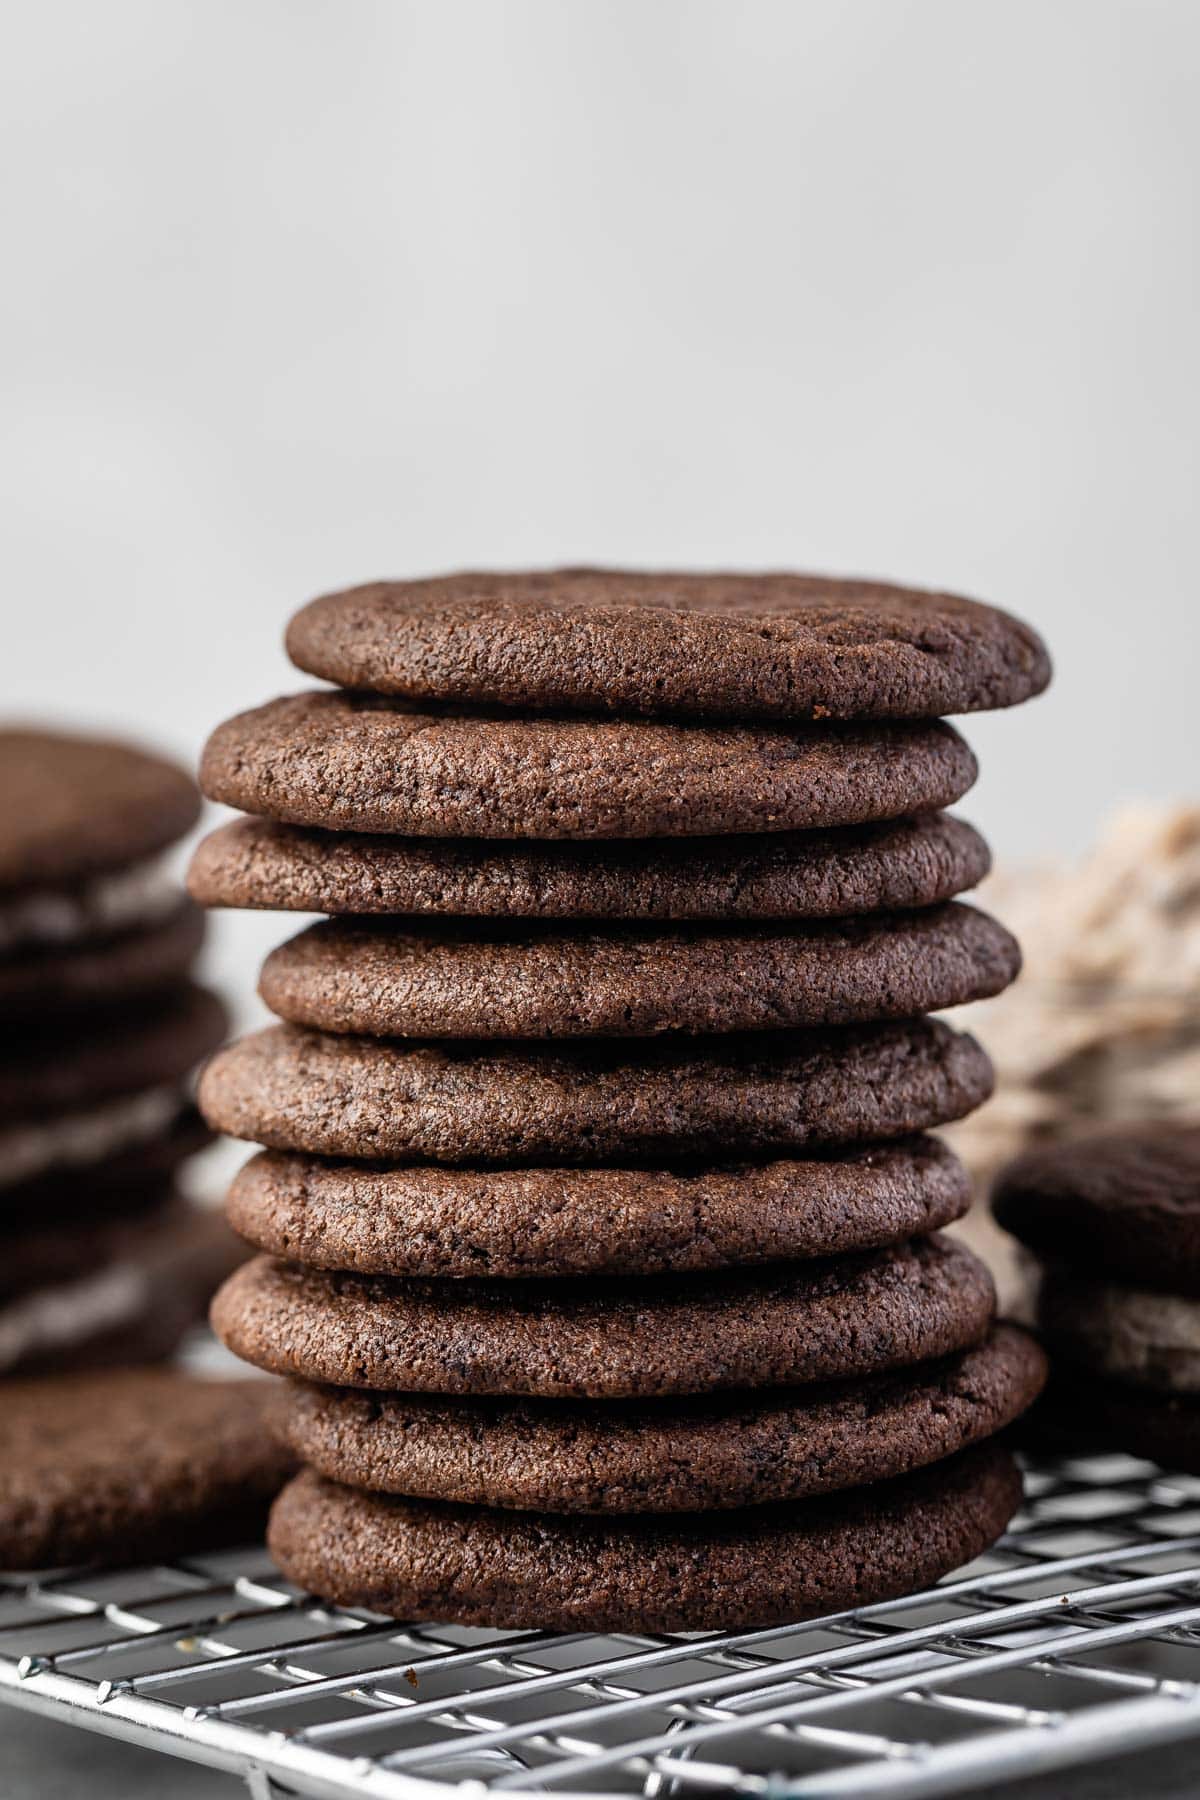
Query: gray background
302	292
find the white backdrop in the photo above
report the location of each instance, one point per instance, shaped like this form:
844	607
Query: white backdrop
302	292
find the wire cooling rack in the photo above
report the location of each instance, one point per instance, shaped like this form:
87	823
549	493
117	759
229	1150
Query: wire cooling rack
1076	1638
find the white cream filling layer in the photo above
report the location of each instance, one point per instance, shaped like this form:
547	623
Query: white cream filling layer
72	1140
58	1318
140	895
1150	1340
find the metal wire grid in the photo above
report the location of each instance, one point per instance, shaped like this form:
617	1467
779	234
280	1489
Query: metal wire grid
1076	1638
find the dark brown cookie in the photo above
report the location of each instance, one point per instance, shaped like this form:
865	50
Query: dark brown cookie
696	646
79	805
120	1183
120	1468
1138	1335
102	973
467	980
1125	1203
356	762
462	1103
513	1222
135	1308
817	1321
419	1559
887	867
680	1455
61	1067
1081	1415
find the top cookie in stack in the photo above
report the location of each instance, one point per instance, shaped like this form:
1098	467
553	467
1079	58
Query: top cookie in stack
98	1256
689	828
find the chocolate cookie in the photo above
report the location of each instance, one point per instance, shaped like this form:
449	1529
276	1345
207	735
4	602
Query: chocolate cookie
462	1103
118	1183
79	805
356	762
694	646
483	980
419	1559
665	1456
818	1321
1137	1335
100	973
56	1069
1082	1415
1125	1203
124	1467
887	867
513	1222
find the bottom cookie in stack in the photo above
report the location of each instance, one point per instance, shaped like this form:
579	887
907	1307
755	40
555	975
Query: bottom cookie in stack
1113	1220
646	1452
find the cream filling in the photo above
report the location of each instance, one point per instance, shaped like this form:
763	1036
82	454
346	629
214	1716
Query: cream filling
1147	1339
140	895
60	1317
72	1140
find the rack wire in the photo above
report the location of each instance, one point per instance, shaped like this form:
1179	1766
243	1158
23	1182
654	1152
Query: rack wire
1076	1638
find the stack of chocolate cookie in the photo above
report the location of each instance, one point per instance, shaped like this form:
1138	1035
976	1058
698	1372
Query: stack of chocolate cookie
100	1259
600	1226
1113	1222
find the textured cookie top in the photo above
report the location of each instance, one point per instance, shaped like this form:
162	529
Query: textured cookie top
760	1094
791	875
356	762
69	1064
458	981
418	1559
680	1455
690	646
129	1465
102	973
76	805
610	1339
1123	1202
514	1222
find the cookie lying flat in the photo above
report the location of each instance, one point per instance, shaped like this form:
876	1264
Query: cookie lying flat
696	646
356	762
1082	1414
806	1322
1125	1203
419	1559
104	972
462	1103
514	1222
887	867
81	805
678	1456
1136	1335
111	1184
126	1466
438	981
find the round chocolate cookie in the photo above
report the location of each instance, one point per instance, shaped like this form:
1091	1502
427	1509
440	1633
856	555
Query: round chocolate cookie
1124	1202
888	867
121	1182
78	805
420	1559
514	1222
356	762
695	646
365	1098
123	1467
102	973
1081	1415
680	1455
56	1069
1139	1335
439	981
819	1321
